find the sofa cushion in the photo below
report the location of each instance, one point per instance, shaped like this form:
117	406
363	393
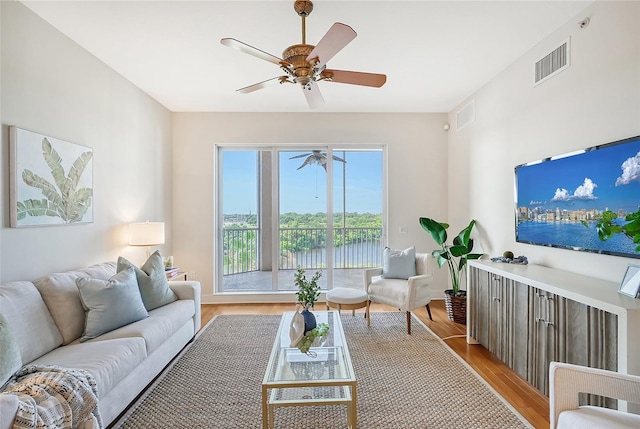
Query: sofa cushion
10	360
101	271
161	324
60	293
152	281
399	264
110	304
108	361
31	324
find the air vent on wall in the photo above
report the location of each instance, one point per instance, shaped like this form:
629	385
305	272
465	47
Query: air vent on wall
466	115
552	63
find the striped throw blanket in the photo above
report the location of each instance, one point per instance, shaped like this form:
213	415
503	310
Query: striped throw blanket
53	397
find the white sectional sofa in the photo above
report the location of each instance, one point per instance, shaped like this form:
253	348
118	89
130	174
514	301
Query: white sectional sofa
46	318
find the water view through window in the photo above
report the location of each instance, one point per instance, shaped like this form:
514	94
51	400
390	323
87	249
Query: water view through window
275	206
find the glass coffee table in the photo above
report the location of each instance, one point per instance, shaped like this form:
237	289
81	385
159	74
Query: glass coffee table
294	378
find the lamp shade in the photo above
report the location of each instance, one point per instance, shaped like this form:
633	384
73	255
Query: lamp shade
146	233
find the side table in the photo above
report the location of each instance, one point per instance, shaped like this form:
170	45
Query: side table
178	275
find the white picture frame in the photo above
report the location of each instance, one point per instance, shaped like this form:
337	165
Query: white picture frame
630	284
51	180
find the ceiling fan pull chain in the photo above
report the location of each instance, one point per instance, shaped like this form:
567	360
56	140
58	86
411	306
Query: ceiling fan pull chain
316	181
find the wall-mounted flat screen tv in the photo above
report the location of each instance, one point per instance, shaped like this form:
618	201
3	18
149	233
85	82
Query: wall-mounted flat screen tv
559	200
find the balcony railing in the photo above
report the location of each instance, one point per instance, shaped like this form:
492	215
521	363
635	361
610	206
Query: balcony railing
240	250
304	247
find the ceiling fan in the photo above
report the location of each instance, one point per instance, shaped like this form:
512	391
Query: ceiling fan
316	157
305	64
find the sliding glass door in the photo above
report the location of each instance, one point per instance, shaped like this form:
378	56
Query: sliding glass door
303	222
358	214
273	207
243	246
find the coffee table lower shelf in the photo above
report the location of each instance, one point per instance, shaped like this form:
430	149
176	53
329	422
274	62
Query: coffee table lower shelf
296	397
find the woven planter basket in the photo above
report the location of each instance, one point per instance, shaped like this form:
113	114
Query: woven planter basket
456	306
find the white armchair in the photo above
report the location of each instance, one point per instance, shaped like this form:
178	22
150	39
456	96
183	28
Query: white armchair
566	381
406	295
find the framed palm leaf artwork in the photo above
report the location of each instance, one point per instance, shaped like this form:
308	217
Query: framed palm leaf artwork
51	180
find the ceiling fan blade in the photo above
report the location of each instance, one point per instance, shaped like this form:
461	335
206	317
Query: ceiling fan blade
356	78
248	49
263	84
338	36
313	96
300	156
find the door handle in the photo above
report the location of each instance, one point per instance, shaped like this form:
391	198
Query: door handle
539	316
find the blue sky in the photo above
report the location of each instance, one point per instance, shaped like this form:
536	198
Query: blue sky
304	190
600	179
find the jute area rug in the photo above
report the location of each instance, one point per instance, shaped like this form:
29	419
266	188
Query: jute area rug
404	381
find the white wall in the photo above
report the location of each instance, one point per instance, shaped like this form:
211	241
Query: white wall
595	101
52	86
416	145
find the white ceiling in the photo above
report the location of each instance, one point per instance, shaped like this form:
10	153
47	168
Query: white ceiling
434	53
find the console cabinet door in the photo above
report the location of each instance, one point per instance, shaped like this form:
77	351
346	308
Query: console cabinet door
586	336
488	324
543	341
499	316
479	293
516	324
564	330
494	302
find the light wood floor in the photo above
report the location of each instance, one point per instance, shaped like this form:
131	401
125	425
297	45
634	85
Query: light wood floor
533	405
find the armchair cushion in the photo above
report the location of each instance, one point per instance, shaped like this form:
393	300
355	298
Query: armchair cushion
393	290
402	294
597	417
399	264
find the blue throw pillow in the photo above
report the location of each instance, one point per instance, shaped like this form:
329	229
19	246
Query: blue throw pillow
152	281
10	360
110	304
399	264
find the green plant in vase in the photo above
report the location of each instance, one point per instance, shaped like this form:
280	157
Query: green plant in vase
308	293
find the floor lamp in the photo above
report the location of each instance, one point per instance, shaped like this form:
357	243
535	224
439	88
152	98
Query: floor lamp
146	234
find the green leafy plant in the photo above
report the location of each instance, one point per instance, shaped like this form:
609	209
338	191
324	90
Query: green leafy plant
61	200
455	255
307	341
308	290
606	227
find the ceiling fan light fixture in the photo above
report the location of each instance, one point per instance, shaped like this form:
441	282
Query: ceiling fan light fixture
297	54
306	64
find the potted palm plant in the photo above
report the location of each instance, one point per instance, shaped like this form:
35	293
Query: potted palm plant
455	256
308	293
